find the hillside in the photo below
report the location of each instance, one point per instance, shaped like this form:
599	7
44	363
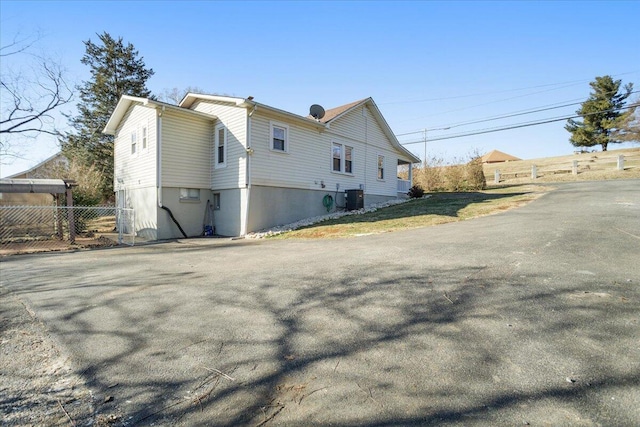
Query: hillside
591	166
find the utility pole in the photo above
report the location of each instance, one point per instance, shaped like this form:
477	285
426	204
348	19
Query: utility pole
424	137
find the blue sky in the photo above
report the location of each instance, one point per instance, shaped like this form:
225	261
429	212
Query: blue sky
427	65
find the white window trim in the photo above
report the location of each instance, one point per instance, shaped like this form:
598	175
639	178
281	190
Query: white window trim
223	164
286	137
384	167
343	159
133	143
144	138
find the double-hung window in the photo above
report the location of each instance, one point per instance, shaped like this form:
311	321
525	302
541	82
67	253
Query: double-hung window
220	146
279	139
134	143
341	158
380	167
144	138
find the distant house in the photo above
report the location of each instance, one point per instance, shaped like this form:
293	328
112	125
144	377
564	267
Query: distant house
496	156
43	170
257	166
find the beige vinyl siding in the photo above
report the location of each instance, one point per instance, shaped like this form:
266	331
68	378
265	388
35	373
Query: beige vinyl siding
235	120
361	125
139	170
186	150
306	163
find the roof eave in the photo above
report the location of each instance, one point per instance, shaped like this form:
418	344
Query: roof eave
126	101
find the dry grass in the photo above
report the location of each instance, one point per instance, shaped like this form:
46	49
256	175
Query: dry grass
440	208
591	167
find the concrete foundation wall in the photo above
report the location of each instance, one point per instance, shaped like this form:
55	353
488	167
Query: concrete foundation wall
144	203
189	214
228	219
271	206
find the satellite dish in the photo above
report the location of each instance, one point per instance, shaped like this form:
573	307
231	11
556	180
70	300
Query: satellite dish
316	111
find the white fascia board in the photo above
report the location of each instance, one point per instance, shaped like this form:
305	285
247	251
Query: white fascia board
190	98
118	113
126	101
387	130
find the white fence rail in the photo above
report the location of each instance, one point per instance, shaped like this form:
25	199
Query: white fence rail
42	228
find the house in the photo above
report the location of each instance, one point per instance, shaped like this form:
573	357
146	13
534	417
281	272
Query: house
251	165
496	156
47	169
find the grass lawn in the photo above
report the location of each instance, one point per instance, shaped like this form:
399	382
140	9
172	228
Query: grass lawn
440	208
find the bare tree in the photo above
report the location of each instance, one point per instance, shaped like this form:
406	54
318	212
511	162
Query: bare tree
30	94
175	95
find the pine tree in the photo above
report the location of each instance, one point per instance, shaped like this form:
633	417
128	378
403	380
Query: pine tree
601	114
116	70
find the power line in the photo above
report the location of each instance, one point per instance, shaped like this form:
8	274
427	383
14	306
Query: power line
517	126
505	116
567	84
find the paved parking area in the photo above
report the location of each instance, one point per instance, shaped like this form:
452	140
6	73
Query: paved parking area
526	317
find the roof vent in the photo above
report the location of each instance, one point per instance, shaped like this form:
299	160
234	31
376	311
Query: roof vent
316	111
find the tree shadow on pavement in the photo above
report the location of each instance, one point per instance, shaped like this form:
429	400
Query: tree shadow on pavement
355	346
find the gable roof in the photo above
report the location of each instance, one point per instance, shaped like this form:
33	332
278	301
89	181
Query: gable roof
126	101
58	157
336	113
496	156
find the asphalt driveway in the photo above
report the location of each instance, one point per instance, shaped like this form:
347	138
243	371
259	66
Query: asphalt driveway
529	317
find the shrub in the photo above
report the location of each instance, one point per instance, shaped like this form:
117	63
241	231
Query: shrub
475	175
415	192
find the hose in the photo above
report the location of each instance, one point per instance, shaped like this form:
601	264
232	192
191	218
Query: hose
174	220
327	202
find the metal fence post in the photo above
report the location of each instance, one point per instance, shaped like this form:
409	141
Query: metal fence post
72	224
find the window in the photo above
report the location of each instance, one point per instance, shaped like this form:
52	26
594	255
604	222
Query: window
380	167
216	201
189	194
337	157
279	138
133	142
341	158
144	138
348	163
220	146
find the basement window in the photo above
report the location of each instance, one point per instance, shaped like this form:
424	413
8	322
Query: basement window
189	194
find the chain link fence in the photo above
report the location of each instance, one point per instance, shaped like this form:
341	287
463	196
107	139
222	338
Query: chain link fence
25	229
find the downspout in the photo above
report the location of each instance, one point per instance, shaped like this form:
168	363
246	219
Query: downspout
249	150
159	158
366	146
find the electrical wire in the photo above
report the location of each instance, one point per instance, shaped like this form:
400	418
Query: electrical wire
567	84
517	126
507	115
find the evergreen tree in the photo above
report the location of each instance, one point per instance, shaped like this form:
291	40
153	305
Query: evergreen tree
601	114
116	70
